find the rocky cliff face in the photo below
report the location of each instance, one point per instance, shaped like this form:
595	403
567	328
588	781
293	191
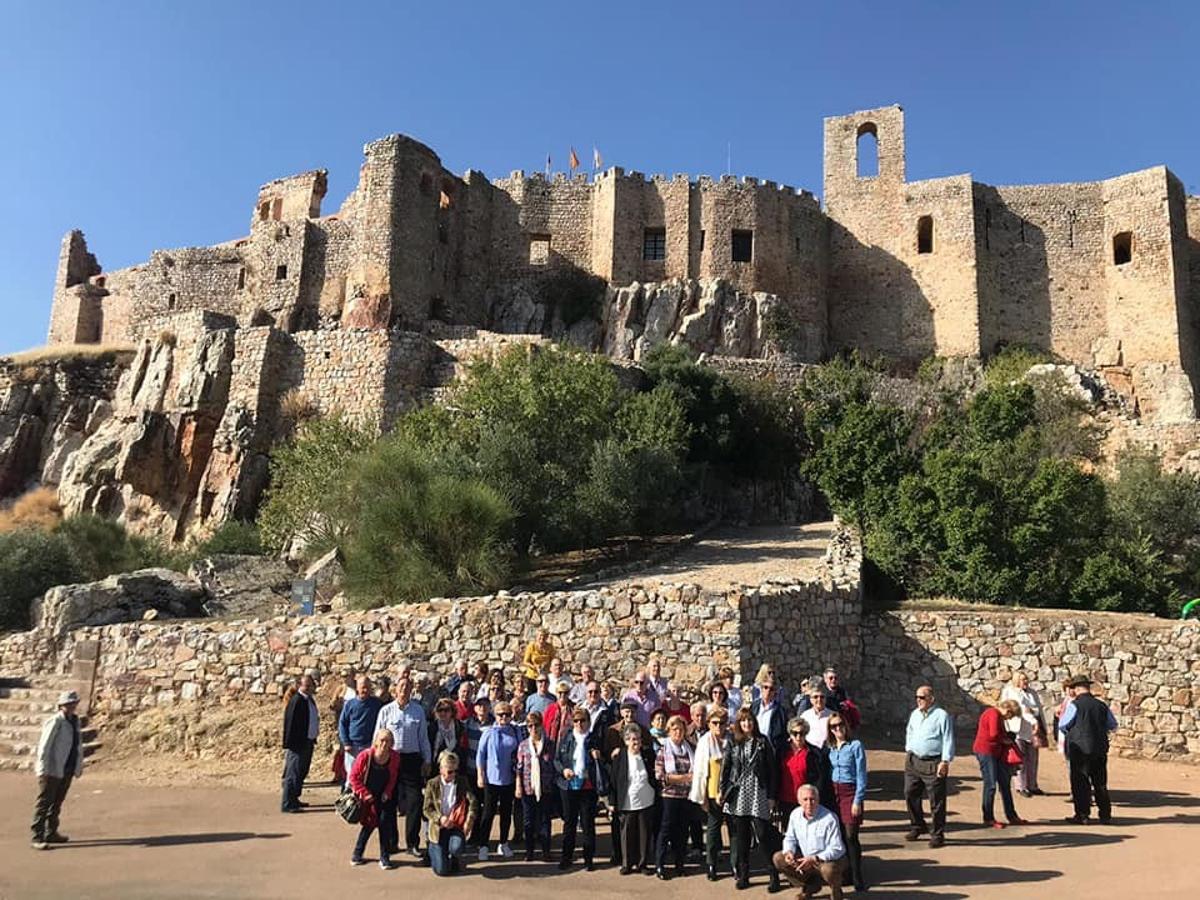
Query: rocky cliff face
178	454
47	409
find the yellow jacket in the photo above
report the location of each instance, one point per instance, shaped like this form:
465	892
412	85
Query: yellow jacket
537	659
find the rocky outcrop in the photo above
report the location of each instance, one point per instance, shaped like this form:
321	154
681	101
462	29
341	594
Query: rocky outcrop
118	598
245	586
181	451
709	316
47	409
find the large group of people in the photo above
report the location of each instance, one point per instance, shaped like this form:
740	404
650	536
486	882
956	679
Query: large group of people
482	761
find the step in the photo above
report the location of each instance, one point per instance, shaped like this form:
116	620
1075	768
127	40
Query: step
25	705
10	749
30	695
26	733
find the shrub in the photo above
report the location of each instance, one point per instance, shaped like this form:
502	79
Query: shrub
240	538
419	531
1011	364
31	562
38	508
306	474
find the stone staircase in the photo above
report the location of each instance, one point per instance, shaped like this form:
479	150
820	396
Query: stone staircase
24	707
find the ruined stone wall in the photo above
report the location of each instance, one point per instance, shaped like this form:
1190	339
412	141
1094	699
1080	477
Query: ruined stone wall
1146	668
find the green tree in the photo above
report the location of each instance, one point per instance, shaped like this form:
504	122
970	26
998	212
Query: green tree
306	473
417	530
31	562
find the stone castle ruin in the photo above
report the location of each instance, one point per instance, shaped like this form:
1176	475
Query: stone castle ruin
375	307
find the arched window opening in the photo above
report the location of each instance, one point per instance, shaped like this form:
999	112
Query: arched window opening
925	234
866	150
1122	248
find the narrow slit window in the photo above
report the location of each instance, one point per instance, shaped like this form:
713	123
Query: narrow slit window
264	210
654	244
925	234
701	240
241	282
277	209
280	273
866	151
1122	248
742	246
171	302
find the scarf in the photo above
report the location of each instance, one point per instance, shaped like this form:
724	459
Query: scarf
445	737
714	747
669	753
535	769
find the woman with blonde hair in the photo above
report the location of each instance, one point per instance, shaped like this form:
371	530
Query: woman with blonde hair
450	809
673	769
1029	728
992	743
373	780
536	659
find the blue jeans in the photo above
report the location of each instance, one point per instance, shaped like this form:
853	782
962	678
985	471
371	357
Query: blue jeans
446	853
996	774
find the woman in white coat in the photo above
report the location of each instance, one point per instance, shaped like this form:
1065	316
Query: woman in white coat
706	783
1029	729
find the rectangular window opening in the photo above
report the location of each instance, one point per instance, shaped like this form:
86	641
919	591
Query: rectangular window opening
280	273
742	245
277	209
1122	248
539	249
925	234
701	240
654	244
241	282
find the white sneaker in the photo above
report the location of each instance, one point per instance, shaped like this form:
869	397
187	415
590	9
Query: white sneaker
483	853
505	851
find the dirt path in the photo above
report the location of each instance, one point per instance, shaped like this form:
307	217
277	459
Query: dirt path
743	556
136	842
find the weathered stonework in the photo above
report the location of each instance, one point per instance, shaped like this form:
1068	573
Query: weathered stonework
1147	668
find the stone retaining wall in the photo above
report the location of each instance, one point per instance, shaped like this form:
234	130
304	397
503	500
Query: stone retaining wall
694	631
1146	668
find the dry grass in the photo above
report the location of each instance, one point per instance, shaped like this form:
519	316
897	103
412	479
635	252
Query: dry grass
37	508
52	353
295	408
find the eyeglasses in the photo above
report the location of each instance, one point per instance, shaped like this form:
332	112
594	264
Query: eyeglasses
592	691
837	724
924	697
501	715
796	733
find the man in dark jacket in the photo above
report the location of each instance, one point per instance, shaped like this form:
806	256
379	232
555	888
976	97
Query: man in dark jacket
300	723
772	719
1087	722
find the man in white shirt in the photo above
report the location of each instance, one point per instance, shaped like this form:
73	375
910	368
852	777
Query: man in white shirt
813	851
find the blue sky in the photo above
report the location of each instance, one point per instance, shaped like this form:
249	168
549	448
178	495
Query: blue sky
152	124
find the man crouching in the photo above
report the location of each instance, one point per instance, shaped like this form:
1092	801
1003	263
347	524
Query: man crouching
813	850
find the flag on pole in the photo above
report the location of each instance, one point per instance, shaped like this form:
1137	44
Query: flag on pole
574	161
597	162
547	165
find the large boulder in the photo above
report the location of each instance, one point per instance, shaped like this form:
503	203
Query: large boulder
118	598
242	586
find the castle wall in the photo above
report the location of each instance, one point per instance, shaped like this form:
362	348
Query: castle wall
889	297
1041	252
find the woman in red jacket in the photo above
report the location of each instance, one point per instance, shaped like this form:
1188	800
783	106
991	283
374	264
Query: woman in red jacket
373	780
799	763
992	743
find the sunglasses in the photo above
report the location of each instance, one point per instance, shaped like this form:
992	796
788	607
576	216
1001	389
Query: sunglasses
796	733
923	697
837	724
501	715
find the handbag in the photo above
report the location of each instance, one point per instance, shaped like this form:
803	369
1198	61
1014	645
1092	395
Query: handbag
349	807
1014	758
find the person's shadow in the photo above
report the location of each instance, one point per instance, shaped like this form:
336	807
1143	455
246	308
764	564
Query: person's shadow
173	840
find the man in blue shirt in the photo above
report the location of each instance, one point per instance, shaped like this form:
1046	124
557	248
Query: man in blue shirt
356	724
405	719
540	701
928	750
1086	722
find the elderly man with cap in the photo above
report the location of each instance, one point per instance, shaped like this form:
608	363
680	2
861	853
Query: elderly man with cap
1086	722
59	761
